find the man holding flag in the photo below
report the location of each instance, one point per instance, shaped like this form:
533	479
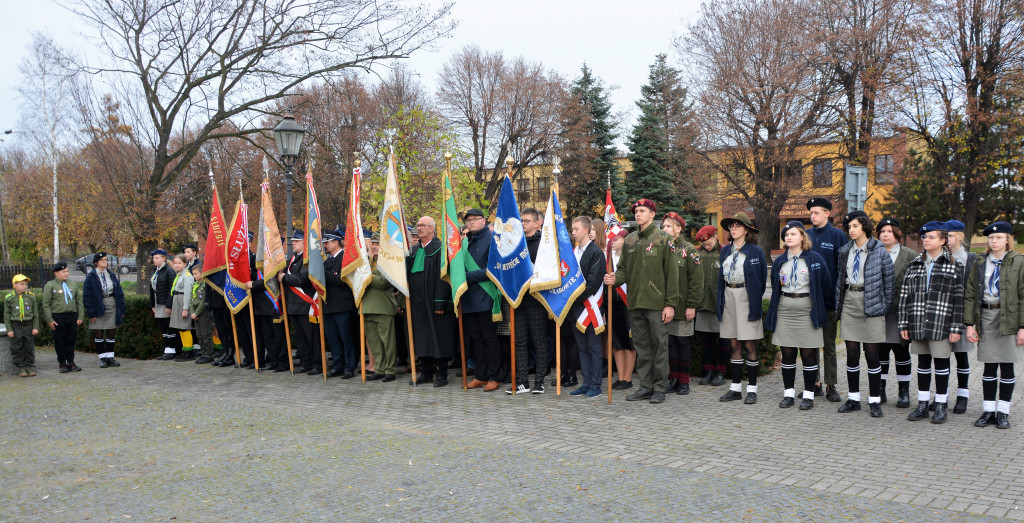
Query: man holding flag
480	304
298	295
339	312
531	319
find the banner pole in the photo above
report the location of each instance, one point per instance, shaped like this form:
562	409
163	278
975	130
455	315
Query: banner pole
558	360
462	349
323	349
412	348
611	299
234	332
512	330
362	345
287	331
252	328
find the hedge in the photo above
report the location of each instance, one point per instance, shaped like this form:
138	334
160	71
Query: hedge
767	353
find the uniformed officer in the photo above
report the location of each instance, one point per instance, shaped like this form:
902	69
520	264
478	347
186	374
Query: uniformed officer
63	312
22	320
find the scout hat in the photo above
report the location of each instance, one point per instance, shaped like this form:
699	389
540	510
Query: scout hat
956	226
98	256
792	224
998	227
933	226
19	277
674	216
706	232
853	215
818	201
740	217
158	251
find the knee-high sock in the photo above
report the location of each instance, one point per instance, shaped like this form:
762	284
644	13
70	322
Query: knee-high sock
874	372
990	385
1006	383
736	369
941	379
709	350
752	375
789	368
924	377
963	374
853	369
904	364
186	340
684	359
724	351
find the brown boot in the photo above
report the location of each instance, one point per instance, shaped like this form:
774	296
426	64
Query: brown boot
491	386
476	384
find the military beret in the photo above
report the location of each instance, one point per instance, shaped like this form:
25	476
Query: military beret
934	226
792	224
888	220
60	266
706	233
644	202
98	256
1004	227
161	252
853	215
676	217
818	201
956	225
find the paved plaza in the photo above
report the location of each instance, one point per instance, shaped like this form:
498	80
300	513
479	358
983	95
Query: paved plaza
162	440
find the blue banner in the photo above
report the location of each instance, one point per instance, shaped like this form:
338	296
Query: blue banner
558	280
236	297
508	261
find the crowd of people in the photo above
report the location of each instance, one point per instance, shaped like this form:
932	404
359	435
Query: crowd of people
887	300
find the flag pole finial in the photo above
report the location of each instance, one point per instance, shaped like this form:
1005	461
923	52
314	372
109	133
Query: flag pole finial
609	173
509	161
448	161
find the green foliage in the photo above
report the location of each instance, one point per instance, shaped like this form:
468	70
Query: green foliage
23	252
917	197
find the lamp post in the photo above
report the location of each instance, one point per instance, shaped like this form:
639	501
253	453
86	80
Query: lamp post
288	136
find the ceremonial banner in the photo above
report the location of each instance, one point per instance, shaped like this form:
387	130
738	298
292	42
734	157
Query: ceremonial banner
453	264
611	219
236	252
269	250
314	257
508	261
355	264
214	259
394	240
555	254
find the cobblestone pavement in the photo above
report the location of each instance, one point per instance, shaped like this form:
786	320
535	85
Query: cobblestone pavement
159	441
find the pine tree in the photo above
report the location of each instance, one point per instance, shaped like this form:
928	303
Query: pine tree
587	148
659	145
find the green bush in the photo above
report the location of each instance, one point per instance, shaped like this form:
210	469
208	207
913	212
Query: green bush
767	353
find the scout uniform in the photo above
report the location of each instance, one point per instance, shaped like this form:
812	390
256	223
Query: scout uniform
21	316
378	308
61	302
715	349
203	322
691	290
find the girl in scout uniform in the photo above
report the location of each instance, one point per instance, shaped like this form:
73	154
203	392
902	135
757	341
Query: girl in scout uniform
796	313
995	321
691	285
105	306
963	347
740	287
931	316
891	236
181	294
625	355
715	353
864	292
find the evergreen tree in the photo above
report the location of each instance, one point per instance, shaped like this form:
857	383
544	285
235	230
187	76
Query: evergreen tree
587	150
659	146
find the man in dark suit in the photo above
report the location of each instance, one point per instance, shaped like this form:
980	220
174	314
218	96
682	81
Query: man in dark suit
481	335
339	311
592	265
298	295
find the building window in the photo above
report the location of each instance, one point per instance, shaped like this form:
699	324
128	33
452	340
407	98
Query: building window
823	173
543	186
794	175
884	169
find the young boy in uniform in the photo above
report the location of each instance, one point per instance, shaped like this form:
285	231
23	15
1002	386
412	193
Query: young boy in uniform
201	316
21	316
63	311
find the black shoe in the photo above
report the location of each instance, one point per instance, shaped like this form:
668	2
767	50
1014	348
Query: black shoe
641	394
732	395
570	381
750	399
616	384
961	405
167	356
424	378
786	402
373	376
626	385
73	367
806	404
281	368
1002	420
64	368
940	413
920	412
315	371
440	380
185	356
876	410
987	418
203	360
683	389
227	362
390	377
250	365
931	408
718	380
903	399
103	363
885	399
671	385
334	373
658	397
832	394
849	406
112	362
347	375
707	378
818	391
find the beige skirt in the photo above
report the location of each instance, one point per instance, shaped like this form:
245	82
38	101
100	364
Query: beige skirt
794	327
934	348
853	326
994	347
734	317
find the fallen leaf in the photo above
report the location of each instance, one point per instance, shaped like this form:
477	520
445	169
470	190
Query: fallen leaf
46	496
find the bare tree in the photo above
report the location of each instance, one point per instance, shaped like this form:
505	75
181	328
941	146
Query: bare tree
183	69
503	107
762	95
970	58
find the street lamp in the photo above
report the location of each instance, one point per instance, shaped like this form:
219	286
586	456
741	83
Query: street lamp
288	135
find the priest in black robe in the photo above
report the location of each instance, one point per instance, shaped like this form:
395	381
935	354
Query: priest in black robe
434	326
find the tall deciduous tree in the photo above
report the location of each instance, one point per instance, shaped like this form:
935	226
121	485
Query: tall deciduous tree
183	69
587	147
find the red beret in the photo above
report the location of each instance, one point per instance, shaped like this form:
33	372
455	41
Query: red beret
706	232
674	216
644	202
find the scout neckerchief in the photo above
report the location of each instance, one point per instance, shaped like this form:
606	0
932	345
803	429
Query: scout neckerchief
152	279
21	307
67	292
487	285
174	284
993	282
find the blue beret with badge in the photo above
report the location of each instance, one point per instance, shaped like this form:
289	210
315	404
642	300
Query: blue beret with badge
934	226
999	226
956	226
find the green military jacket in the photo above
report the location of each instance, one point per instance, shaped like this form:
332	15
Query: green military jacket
1011	290
650	269
13	312
691	277
52	300
197	303
710	267
379	297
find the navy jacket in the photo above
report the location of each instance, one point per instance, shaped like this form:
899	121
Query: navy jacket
92	297
818	280
592	265
826	241
475	299
339	294
755	272
879	278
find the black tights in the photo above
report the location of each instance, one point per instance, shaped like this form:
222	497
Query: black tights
104	340
1005	382
679	358
715	351
809	357
853	368
738	347
924	374
963	370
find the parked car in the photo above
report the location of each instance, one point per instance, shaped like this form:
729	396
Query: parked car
122	264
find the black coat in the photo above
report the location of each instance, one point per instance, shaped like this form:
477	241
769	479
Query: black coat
339	294
532	244
296	275
161	295
476	299
92	297
592	265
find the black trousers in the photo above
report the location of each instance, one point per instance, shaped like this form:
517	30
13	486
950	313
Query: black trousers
222	320
65	336
482	344
270	343
531	326
305	342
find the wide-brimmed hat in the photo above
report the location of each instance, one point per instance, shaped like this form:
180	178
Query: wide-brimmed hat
742	218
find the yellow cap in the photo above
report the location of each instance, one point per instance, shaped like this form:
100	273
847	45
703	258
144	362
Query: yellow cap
19	277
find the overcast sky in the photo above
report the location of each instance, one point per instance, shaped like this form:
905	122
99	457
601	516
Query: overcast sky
618	40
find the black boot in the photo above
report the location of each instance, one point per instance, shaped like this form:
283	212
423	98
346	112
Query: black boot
671	385
718	380
1002	420
683	389
961	405
987	418
885	399
920	412
708	376
903	400
940	413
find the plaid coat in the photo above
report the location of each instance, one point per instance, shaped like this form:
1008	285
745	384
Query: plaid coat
932	312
